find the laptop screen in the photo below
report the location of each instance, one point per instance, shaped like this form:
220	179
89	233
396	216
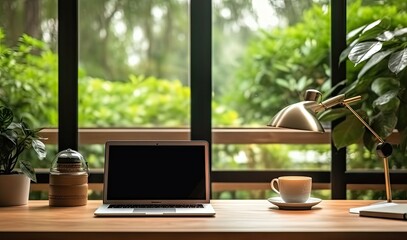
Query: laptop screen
156	172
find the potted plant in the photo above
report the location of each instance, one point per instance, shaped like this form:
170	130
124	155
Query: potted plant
377	54
16	137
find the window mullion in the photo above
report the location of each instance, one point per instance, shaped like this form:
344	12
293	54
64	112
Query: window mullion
338	73
68	74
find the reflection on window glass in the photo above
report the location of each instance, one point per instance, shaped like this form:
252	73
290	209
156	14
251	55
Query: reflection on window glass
134	63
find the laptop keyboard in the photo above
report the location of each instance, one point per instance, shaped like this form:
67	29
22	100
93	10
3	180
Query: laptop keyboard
156	206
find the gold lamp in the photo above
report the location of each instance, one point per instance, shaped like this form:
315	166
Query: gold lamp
302	116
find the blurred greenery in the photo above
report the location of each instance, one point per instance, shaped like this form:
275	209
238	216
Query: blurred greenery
134	70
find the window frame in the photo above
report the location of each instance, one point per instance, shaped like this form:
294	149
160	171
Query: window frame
68	135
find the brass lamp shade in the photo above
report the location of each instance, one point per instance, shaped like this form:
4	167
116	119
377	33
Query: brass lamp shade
299	116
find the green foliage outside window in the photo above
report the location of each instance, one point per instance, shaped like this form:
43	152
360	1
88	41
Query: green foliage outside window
282	63
279	65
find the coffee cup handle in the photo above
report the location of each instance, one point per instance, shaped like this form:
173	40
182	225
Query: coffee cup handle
275	180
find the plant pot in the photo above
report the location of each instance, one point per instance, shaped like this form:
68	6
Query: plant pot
14	190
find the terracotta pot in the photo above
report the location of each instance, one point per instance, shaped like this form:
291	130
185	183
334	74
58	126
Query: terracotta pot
14	190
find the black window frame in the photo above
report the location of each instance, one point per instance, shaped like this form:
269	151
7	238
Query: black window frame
200	13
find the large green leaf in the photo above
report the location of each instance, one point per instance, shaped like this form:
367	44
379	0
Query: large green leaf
381	86
6	117
28	170
359	87
384	123
374	60
364	50
374	29
39	148
385	36
344	54
398	61
400	32
332	114
348	132
387	103
355	32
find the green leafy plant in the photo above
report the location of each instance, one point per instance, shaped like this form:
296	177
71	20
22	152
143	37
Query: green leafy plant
15	138
377	56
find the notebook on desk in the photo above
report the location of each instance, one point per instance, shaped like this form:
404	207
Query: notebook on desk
156	178
395	211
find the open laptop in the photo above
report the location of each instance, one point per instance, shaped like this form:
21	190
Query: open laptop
156	178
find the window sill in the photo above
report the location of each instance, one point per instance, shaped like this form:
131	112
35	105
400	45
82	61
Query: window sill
220	135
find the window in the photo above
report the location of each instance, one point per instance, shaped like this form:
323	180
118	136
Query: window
215	70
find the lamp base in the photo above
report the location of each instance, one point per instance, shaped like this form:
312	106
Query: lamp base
357	210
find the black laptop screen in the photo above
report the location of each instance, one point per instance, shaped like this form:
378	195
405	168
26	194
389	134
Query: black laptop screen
156	172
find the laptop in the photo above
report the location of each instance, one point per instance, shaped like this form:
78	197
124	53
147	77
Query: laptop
156	178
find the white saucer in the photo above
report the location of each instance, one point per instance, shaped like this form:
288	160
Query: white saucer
294	206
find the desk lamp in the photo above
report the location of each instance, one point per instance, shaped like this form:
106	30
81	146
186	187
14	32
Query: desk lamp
302	116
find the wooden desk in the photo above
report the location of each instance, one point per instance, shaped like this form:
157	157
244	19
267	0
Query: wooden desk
235	219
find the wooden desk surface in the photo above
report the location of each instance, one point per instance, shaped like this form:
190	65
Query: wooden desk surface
235	219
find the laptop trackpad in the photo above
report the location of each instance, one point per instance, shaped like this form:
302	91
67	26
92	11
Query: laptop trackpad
154	210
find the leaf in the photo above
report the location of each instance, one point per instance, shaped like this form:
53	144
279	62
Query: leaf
372	25
363	51
344	54
6	117
359	87
28	170
385	36
332	114
374	29
398	61
384	124
374	60
387	103
354	32
39	148
348	132
381	86
400	32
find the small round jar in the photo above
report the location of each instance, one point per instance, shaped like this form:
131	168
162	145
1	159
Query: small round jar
68	182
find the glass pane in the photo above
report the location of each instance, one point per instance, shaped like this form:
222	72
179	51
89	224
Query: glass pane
271	157
29	67
266	54
374	79
134	63
29	37
261	194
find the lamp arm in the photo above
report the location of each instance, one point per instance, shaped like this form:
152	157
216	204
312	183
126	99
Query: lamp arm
363	122
340	99
383	149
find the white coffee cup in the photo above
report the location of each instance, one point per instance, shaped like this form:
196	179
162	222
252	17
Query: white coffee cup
292	189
